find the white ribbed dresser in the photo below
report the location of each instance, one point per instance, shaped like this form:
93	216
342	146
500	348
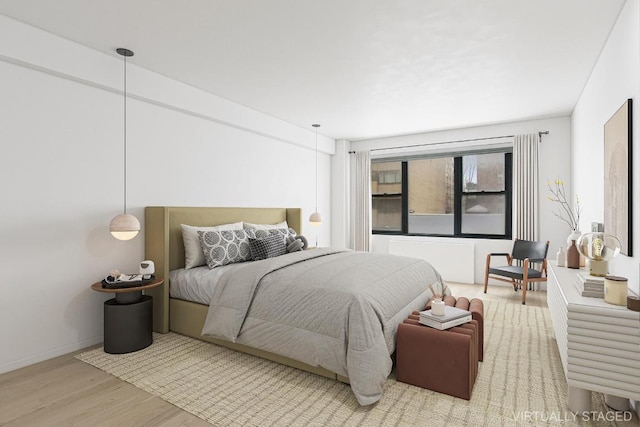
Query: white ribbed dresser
599	343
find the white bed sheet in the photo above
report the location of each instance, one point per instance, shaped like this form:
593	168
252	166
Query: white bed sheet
197	284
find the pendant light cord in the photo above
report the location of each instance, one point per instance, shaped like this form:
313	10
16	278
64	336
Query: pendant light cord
125	134
316	168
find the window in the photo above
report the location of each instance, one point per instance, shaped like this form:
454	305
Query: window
431	203
386	192
484	202
466	195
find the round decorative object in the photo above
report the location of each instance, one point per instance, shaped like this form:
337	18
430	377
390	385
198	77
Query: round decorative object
599	248
437	307
124	226
615	290
315	218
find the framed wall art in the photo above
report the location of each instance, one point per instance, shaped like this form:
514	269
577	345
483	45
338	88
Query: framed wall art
617	177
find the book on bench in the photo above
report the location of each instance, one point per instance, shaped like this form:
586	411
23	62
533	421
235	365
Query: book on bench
452	317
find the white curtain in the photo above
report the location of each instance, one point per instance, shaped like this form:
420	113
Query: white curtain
361	201
525	187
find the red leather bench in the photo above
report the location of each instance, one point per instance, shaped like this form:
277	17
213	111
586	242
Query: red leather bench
476	307
443	361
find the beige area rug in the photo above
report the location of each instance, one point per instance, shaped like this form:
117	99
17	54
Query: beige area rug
520	382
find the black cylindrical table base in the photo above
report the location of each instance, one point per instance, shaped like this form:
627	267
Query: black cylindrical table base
128	327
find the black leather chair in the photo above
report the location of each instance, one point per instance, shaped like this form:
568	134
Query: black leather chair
526	251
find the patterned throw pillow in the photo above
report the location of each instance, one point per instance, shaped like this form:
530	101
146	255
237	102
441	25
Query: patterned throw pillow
225	246
193	255
267	247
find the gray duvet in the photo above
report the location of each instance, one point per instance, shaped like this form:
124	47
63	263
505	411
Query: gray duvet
331	308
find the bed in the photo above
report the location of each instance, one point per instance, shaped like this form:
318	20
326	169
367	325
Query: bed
267	285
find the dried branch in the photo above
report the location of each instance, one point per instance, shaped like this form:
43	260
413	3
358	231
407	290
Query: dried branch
567	212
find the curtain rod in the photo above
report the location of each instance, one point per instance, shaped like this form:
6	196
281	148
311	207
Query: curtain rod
542	132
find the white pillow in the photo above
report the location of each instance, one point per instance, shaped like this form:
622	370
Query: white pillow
248	225
193	254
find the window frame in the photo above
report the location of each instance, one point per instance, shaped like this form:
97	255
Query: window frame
458	195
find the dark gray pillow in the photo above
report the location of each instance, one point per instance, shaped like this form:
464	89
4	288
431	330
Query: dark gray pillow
267	247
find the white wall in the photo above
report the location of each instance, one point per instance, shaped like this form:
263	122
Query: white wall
61	130
554	163
615	78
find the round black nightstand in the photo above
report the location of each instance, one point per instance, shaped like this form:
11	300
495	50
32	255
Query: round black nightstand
128	318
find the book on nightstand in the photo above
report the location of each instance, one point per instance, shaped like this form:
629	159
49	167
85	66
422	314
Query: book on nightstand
452	317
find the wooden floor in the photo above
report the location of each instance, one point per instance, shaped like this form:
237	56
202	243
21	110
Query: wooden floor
67	392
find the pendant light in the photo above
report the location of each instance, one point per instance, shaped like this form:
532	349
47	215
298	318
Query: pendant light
315	218
124	226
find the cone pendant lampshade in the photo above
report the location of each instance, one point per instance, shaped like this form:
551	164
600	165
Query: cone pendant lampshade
125	226
315	218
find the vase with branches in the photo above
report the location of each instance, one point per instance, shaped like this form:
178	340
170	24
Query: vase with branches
568	212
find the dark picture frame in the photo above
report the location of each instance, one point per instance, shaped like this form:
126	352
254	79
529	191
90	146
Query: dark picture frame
617	177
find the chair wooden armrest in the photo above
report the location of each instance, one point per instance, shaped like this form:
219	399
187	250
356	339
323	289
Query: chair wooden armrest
509	258
528	263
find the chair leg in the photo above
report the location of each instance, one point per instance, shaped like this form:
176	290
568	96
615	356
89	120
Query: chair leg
525	280
486	274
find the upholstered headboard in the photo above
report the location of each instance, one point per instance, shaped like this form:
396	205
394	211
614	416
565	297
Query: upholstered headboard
164	245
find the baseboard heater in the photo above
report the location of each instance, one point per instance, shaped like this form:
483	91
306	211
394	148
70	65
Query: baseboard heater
454	261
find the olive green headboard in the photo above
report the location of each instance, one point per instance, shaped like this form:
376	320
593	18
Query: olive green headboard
164	245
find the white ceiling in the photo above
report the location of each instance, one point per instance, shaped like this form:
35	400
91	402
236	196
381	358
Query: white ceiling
361	68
